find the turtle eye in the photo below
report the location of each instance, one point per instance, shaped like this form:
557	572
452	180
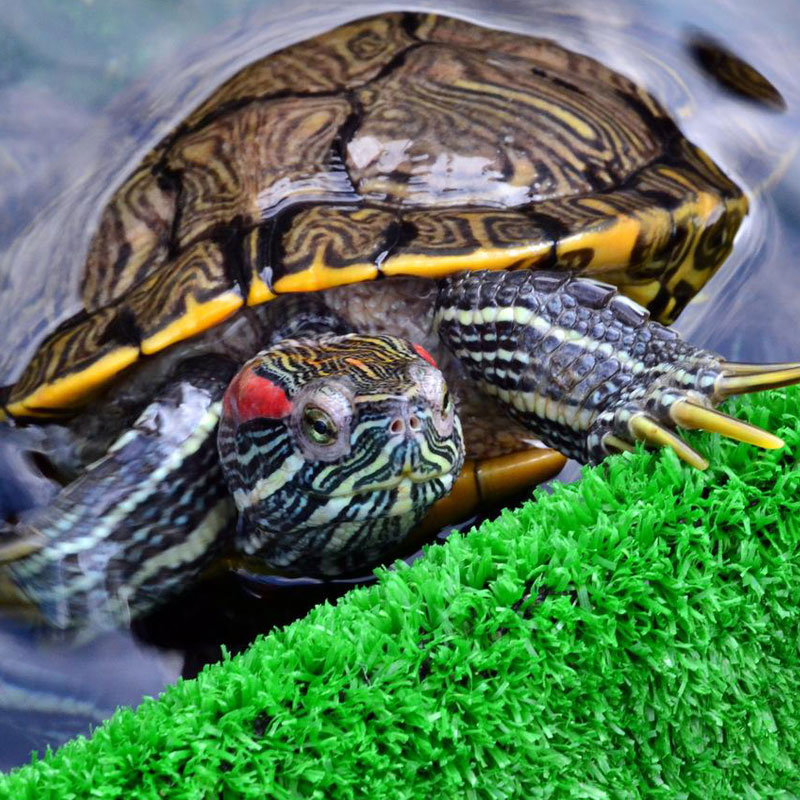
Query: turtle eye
318	426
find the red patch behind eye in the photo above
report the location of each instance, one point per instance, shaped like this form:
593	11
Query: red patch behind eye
423	353
250	396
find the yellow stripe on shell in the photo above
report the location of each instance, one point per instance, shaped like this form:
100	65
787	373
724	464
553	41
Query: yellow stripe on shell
611	247
323	276
485	258
644	293
197	317
70	390
612	243
259	292
572	121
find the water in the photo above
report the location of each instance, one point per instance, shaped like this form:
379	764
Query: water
87	88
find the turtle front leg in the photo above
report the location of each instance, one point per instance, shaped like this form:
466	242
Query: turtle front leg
587	369
138	524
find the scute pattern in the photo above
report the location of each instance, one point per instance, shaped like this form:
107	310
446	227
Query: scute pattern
459	232
251	160
197	277
341	59
546	54
195	289
449	127
132	240
330	237
403	144
71	350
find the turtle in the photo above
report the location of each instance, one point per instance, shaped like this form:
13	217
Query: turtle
365	258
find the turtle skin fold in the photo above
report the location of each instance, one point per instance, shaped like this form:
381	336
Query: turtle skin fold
585	367
142	522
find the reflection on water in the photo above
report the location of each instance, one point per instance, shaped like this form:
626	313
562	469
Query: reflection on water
732	73
86	90
50	692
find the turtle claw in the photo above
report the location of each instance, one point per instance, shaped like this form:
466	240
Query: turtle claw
695	416
691	416
651	416
615	444
588	371
743	378
649	430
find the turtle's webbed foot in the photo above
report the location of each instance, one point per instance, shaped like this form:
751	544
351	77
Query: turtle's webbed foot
684	396
588	370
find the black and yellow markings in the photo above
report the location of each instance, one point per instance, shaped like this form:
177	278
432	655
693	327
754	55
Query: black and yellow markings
374	151
133	237
250	160
257	268
328	246
333	246
366	359
530	136
48	396
192	295
547	56
622	238
339	60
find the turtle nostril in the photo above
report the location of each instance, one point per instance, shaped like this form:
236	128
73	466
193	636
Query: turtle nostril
405	424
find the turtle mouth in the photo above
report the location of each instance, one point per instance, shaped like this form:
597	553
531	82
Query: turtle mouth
407	476
399	497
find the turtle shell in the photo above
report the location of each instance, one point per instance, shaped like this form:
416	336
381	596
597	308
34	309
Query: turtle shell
402	144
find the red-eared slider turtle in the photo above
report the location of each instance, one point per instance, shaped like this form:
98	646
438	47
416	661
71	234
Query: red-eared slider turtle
489	179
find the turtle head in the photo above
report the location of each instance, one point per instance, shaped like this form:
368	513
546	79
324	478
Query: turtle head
334	448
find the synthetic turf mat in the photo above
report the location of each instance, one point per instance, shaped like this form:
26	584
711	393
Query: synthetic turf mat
633	634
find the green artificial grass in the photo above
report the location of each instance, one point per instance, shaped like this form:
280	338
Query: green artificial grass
635	634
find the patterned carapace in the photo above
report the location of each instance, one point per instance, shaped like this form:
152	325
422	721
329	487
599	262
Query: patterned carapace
402	144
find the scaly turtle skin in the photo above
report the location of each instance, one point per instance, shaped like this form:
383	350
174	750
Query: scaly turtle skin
379	443
334	446
479	170
333	449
